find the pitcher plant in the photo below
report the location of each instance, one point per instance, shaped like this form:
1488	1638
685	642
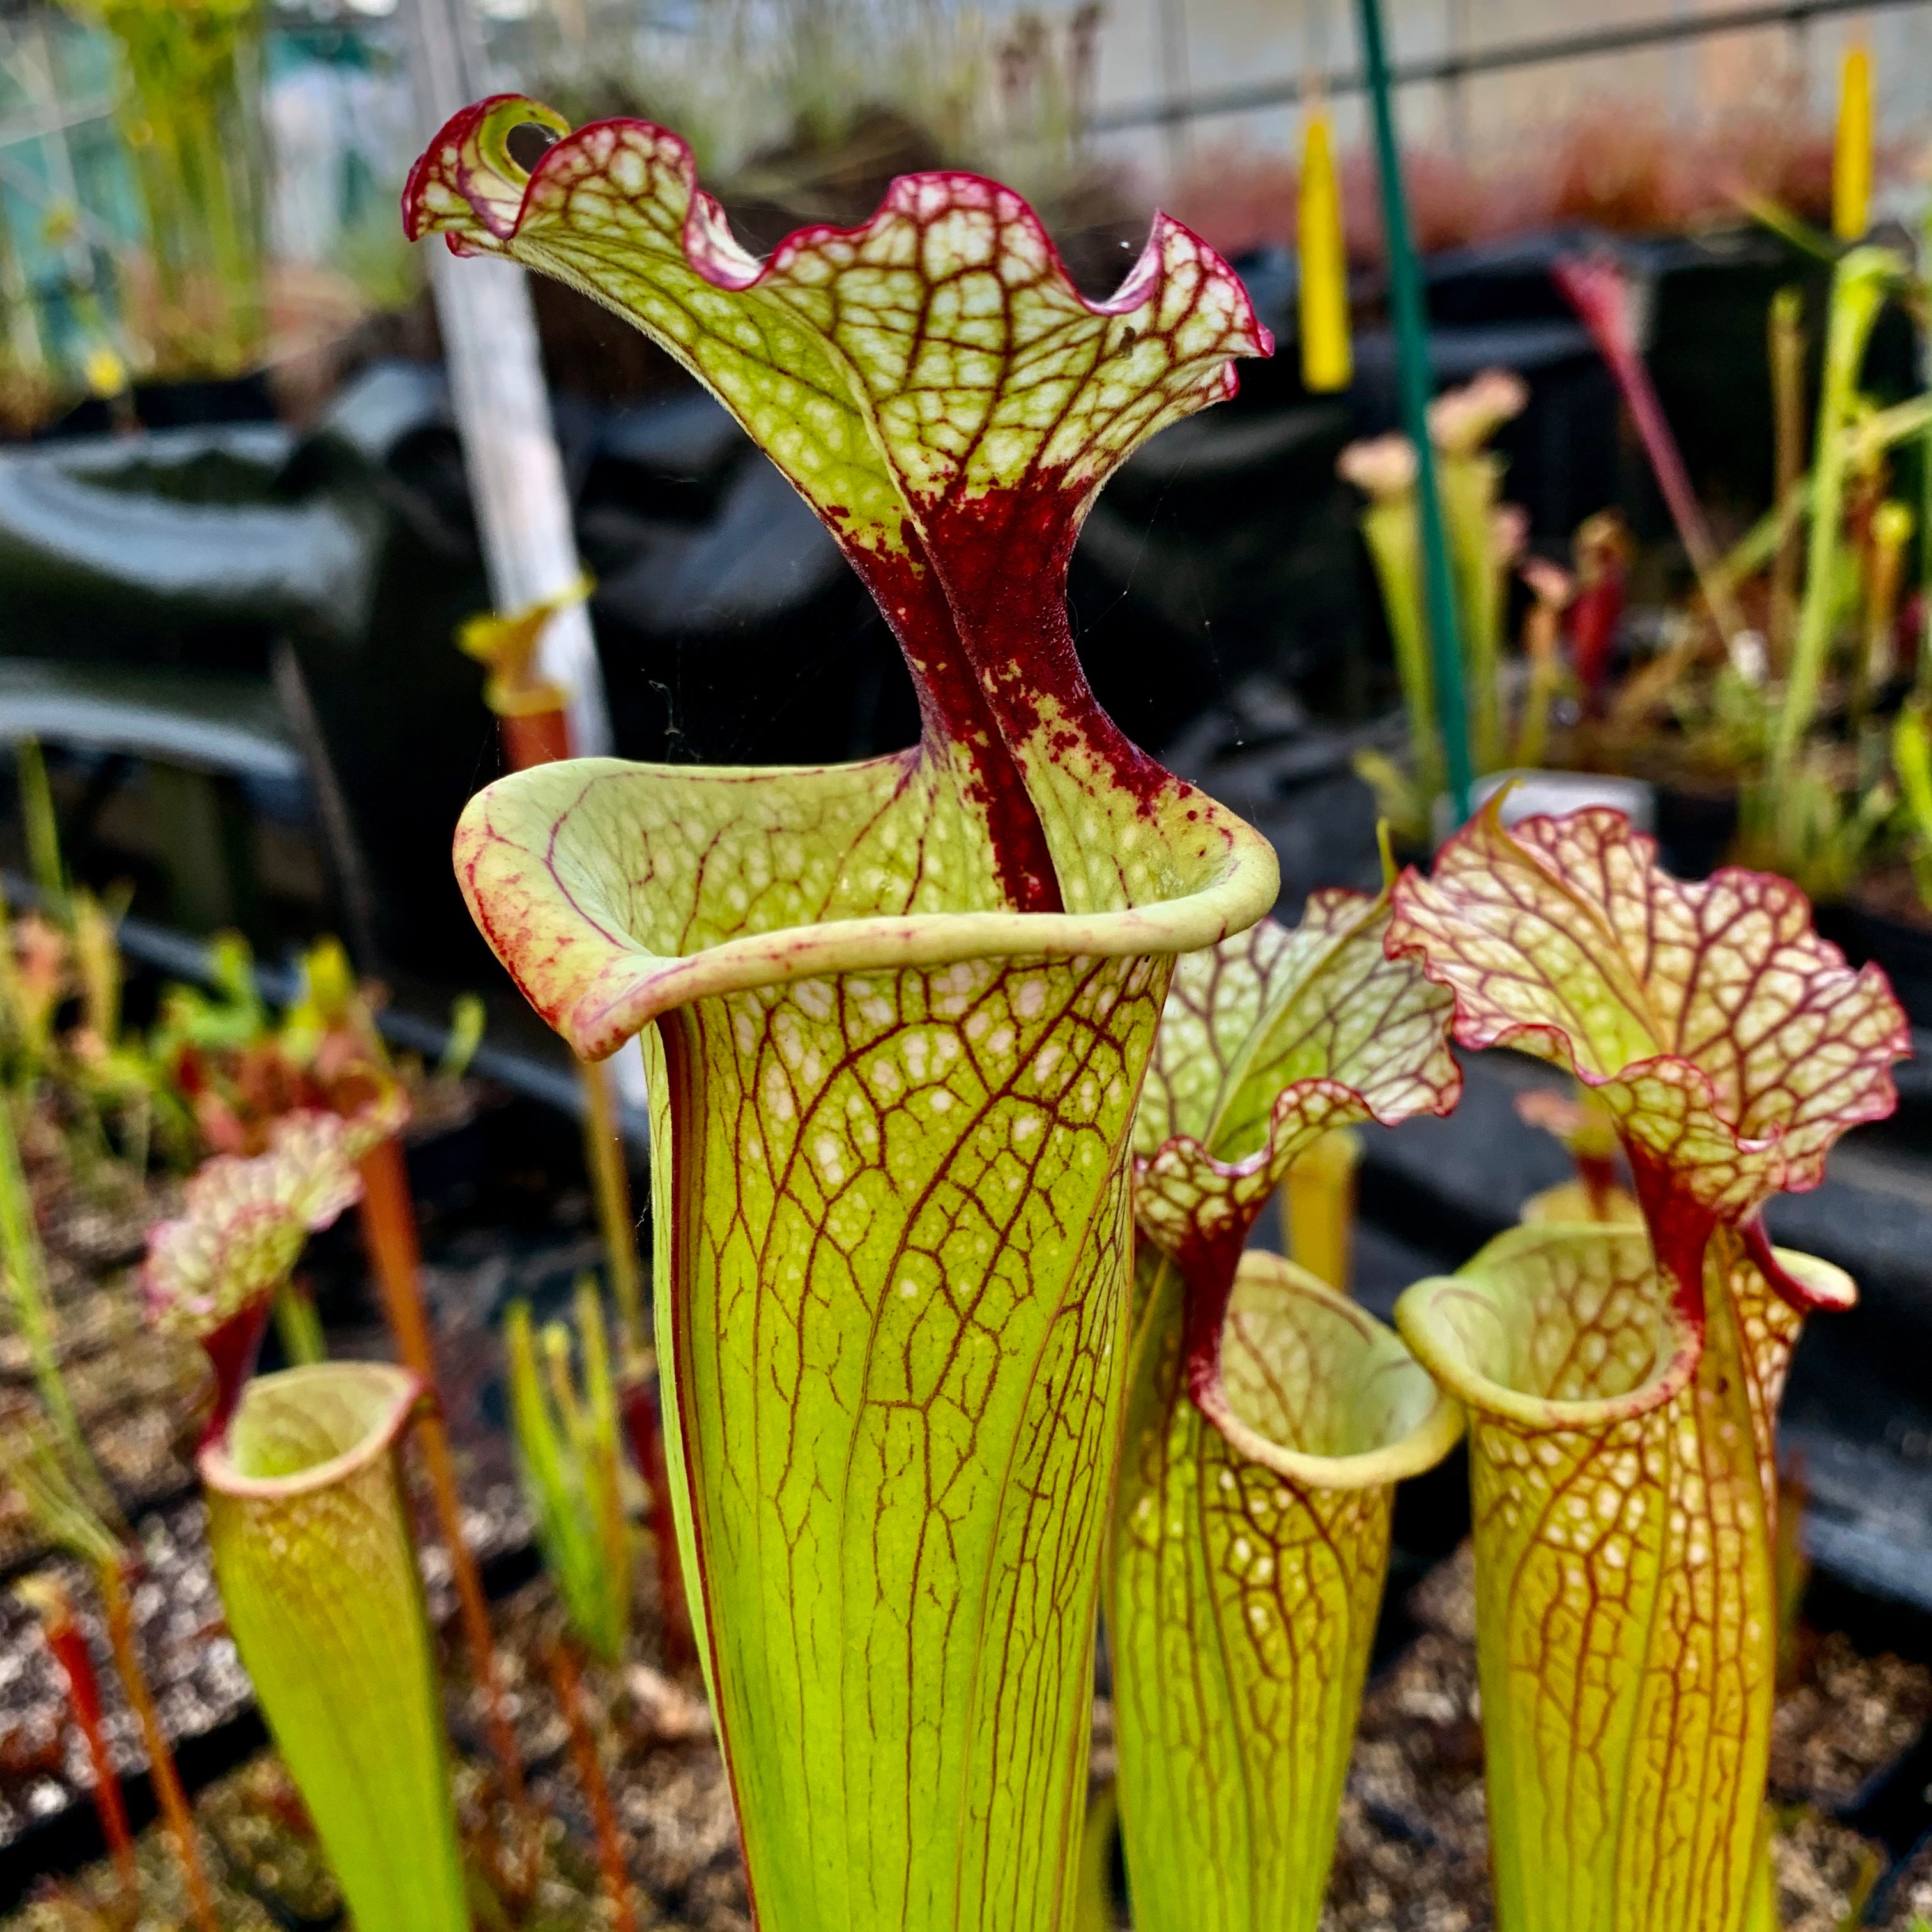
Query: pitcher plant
309	1527
1268	1421
1623	1384
896	1015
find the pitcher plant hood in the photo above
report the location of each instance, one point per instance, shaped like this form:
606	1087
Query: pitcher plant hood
1729	1044
246	1221
1268	1041
946	401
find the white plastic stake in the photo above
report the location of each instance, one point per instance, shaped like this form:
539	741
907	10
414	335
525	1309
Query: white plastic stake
503	408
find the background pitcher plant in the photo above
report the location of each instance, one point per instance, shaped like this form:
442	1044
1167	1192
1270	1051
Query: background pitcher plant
1623	1391
310	1528
1269	1419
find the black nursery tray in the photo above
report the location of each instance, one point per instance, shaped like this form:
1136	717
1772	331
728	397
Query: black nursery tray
1905	952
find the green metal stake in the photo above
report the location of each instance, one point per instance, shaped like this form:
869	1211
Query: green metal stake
1411	344
1922	682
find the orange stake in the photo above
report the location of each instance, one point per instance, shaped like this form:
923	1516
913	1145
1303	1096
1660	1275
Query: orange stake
389	1232
568	1687
535	730
52	1604
538	738
643	1422
168	1795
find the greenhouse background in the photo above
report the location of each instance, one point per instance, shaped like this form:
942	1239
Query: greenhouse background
1026	1031
1155	96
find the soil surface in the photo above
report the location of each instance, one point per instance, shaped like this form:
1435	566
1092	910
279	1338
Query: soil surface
1412	1848
1411	1856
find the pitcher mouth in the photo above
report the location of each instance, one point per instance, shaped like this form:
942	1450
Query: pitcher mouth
397	1391
597	983
1416	1443
1424	1317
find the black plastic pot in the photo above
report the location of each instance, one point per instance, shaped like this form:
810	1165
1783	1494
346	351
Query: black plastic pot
1903	951
1695	829
195	403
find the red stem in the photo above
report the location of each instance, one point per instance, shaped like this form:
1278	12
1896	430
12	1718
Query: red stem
83	1693
168	1795
231	1350
567	1685
388	1220
1594	618
1208	1271
1598	1173
964	703
1680	1231
1600	294
643	1422
1661	445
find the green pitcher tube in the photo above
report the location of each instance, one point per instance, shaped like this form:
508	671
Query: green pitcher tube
317	1570
1250	1553
1623	1496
